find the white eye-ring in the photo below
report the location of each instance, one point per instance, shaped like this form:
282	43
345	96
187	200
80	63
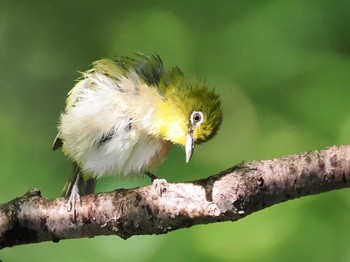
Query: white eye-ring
196	118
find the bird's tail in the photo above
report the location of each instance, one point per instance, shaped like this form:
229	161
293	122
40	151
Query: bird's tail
86	184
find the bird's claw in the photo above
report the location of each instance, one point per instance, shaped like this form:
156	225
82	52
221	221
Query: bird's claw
73	199
161	185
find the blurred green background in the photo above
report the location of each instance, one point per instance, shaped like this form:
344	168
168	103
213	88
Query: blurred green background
281	67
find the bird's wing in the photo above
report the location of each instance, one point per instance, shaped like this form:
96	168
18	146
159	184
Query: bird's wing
149	68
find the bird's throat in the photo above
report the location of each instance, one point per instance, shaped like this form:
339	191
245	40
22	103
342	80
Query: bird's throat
171	123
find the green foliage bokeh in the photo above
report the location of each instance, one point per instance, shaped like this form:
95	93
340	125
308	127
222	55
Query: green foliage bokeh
281	67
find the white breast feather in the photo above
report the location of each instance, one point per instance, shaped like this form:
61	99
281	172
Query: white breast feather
101	105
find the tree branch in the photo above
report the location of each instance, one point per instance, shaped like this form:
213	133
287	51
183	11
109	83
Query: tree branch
160	208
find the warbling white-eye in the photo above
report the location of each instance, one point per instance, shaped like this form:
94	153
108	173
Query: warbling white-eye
123	115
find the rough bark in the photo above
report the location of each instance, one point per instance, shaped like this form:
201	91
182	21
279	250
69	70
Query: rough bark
161	207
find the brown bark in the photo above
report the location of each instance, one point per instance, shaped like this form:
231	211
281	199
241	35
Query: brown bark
160	207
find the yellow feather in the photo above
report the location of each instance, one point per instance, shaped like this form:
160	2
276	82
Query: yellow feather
171	122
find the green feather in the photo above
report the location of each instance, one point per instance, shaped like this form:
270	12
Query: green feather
149	68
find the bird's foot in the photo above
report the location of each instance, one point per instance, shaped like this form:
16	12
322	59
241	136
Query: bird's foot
73	199
161	185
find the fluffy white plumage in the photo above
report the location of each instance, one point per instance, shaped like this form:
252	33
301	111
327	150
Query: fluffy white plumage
109	125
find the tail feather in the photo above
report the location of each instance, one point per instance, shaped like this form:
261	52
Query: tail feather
85	184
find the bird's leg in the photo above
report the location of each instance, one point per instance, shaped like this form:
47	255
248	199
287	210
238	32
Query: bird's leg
151	176
160	184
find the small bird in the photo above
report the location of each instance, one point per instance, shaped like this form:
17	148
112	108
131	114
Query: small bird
124	114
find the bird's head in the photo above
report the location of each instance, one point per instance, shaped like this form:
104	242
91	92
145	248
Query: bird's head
192	112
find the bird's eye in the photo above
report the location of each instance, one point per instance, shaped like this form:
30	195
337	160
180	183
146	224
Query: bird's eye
196	118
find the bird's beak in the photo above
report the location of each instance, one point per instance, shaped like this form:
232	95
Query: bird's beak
189	146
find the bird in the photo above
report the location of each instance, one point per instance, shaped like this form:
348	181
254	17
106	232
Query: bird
123	115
